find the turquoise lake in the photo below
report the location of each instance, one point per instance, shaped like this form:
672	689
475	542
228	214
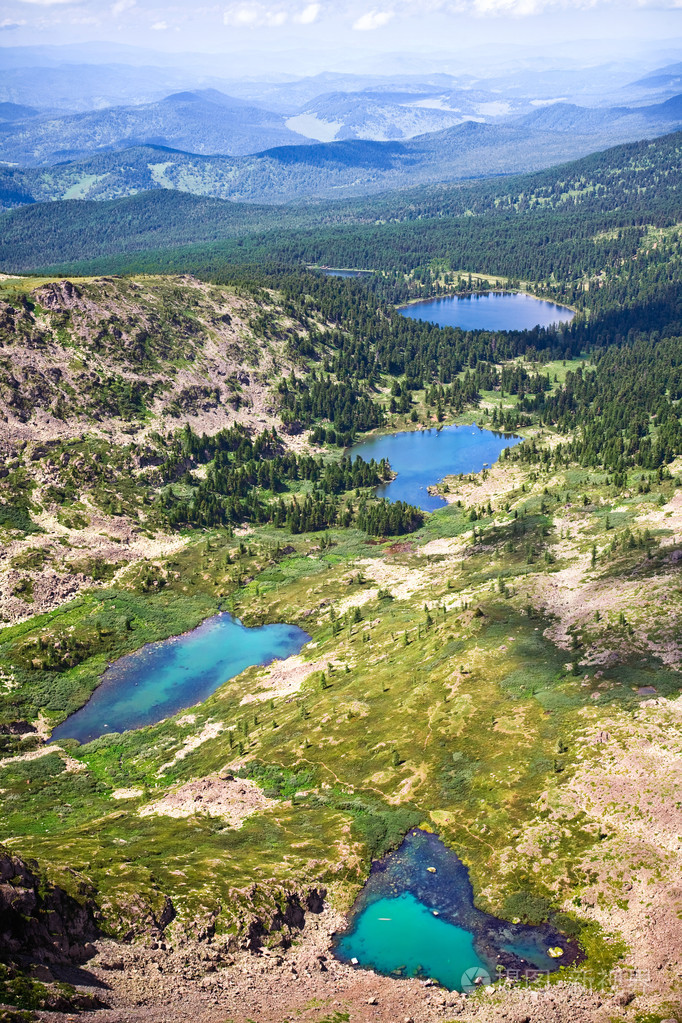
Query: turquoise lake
416	917
495	310
402	935
422	457
162	678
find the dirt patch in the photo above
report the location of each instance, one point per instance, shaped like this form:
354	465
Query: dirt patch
233	799
70	763
407	788
209	731
283	678
401	582
358	599
405	547
492	485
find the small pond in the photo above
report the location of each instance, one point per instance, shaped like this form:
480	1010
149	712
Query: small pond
162	678
495	310
422	457
416	917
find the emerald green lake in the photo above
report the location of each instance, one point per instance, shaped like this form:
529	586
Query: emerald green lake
416	917
402	935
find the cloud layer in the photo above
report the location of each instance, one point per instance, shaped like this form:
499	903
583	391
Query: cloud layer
373	20
259	15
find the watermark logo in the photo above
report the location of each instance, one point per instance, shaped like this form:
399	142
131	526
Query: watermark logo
474	978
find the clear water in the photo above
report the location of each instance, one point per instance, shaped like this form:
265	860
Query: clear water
401	935
162	678
422	457
416	917
494	311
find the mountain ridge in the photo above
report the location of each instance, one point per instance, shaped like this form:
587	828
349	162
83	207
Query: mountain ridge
345	169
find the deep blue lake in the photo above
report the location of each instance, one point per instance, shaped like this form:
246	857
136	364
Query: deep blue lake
162	678
412	921
493	311
422	457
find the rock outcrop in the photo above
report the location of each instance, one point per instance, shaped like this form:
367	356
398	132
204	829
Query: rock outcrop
40	922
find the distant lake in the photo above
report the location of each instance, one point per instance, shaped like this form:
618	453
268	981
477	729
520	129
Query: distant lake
423	457
493	311
162	678
345	273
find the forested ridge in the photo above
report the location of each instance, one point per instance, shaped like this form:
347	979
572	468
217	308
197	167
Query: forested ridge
559	210
601	235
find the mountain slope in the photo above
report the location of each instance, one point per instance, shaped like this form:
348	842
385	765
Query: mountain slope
610	122
398	114
206	121
341	169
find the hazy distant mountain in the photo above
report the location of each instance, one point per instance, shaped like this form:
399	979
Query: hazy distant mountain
201	122
669	77
395	114
280	175
291	97
618	124
340	169
10	112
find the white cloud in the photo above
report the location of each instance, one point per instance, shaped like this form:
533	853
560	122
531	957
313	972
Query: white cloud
7	24
160	26
308	15
120	6
49	3
372	20
254	16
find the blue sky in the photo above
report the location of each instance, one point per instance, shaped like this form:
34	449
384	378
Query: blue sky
330	33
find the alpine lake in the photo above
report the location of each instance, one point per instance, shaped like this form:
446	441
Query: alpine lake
416	916
163	678
493	310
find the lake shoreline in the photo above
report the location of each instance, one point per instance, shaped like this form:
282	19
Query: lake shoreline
488	291
164	677
422	458
495	310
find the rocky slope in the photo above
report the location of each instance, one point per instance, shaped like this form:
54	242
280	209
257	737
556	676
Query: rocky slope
90	370
118	357
39	921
